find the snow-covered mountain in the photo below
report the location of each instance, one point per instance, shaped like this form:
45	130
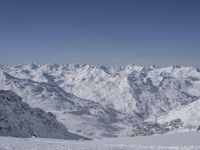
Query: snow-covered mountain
105	101
18	119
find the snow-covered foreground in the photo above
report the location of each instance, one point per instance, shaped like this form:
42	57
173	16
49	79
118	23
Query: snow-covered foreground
179	141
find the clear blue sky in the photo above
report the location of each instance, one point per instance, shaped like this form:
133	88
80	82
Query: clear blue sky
111	32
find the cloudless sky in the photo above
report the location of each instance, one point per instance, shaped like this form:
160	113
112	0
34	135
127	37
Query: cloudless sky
110	32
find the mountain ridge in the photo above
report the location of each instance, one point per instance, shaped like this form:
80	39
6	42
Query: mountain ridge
109	97
18	119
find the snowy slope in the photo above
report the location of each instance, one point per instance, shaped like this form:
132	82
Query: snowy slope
189	141
189	114
18	119
103	101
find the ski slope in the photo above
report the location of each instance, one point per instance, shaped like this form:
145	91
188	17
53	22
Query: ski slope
178	141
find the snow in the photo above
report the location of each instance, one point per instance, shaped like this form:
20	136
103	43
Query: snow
185	113
178	141
105	101
18	119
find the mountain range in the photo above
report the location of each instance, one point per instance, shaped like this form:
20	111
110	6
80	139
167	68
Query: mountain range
99	101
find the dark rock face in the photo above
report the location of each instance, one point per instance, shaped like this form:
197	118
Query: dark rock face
18	119
198	129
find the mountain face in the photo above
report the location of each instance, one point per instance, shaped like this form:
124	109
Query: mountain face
105	101
20	120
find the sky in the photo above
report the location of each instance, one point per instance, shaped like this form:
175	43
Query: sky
109	32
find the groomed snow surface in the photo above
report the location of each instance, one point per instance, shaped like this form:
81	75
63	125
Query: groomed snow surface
178	141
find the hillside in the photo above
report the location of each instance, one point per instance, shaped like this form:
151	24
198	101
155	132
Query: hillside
18	119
